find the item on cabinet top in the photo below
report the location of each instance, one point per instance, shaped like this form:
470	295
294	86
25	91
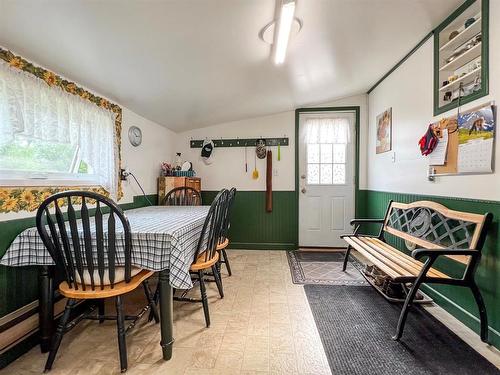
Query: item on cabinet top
207	151
260	148
135	136
255	173
428	142
453	34
178	161
469	22
187	166
166	169
184	173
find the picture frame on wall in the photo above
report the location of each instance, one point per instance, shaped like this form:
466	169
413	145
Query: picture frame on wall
384	131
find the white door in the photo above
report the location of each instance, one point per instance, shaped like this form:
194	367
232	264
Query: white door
326	177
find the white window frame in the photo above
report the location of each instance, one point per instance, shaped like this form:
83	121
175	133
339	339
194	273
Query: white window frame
14	178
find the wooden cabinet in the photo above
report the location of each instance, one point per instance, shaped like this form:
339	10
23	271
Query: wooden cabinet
165	184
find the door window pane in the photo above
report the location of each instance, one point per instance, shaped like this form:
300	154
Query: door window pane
313	174
326	153
339	151
313	153
339	173
326	174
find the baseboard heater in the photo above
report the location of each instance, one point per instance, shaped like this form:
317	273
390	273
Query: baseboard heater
22	323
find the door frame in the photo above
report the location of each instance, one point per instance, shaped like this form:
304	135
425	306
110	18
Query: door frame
298	112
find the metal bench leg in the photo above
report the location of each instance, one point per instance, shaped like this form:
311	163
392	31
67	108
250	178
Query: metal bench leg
404	311
482	311
410	297
346	257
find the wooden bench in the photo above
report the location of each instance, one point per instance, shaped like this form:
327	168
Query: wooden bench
437	232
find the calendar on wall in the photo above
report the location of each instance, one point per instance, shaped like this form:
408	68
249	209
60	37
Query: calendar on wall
470	141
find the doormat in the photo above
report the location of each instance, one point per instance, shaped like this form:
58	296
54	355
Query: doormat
356	325
324	268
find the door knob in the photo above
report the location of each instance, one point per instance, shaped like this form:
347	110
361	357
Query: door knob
303	191
303	177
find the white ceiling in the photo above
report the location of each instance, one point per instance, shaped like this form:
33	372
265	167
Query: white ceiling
193	63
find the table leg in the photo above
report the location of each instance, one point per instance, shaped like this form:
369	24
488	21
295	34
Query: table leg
166	315
45	307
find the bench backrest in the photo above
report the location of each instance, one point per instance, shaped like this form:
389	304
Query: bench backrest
431	225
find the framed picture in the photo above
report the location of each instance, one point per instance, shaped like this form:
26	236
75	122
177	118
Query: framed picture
384	131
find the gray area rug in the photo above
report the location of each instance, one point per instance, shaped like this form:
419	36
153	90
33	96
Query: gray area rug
356	325
324	268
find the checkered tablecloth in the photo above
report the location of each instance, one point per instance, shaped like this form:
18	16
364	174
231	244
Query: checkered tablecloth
163	237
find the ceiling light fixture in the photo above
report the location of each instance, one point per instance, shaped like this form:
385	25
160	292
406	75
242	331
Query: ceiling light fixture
286	18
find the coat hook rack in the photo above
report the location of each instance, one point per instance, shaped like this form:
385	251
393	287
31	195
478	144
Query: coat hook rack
240	142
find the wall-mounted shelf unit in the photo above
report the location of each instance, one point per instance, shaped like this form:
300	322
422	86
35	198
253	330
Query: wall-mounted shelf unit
461	56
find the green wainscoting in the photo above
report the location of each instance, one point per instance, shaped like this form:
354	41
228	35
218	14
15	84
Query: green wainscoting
254	228
456	300
19	285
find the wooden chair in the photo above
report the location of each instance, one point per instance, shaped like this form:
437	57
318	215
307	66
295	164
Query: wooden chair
207	256
182	196
224	239
88	265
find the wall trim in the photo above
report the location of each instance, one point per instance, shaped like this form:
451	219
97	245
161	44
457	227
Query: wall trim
486	201
401	62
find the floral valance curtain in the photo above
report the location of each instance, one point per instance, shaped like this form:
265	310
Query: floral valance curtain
327	130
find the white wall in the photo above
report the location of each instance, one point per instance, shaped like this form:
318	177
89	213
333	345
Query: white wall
144	160
409	92
228	167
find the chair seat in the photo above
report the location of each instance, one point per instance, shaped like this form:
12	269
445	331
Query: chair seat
201	262
118	289
223	245
119	275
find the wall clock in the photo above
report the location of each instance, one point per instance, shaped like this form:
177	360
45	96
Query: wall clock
135	136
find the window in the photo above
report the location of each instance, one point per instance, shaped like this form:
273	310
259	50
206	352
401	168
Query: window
326	148
52	138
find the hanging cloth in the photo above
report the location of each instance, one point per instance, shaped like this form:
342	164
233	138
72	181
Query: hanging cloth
327	130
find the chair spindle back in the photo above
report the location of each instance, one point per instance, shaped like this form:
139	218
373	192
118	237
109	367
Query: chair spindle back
213	226
99	249
182	196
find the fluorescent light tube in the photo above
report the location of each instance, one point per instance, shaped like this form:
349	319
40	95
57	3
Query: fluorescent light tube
284	28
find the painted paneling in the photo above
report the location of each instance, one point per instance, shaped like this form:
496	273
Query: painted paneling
457	300
254	228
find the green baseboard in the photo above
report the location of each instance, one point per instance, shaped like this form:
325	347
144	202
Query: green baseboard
262	246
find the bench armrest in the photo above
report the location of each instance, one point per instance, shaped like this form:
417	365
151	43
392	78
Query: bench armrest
363	221
418	253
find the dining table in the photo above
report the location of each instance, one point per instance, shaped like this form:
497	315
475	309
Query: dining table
164	239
